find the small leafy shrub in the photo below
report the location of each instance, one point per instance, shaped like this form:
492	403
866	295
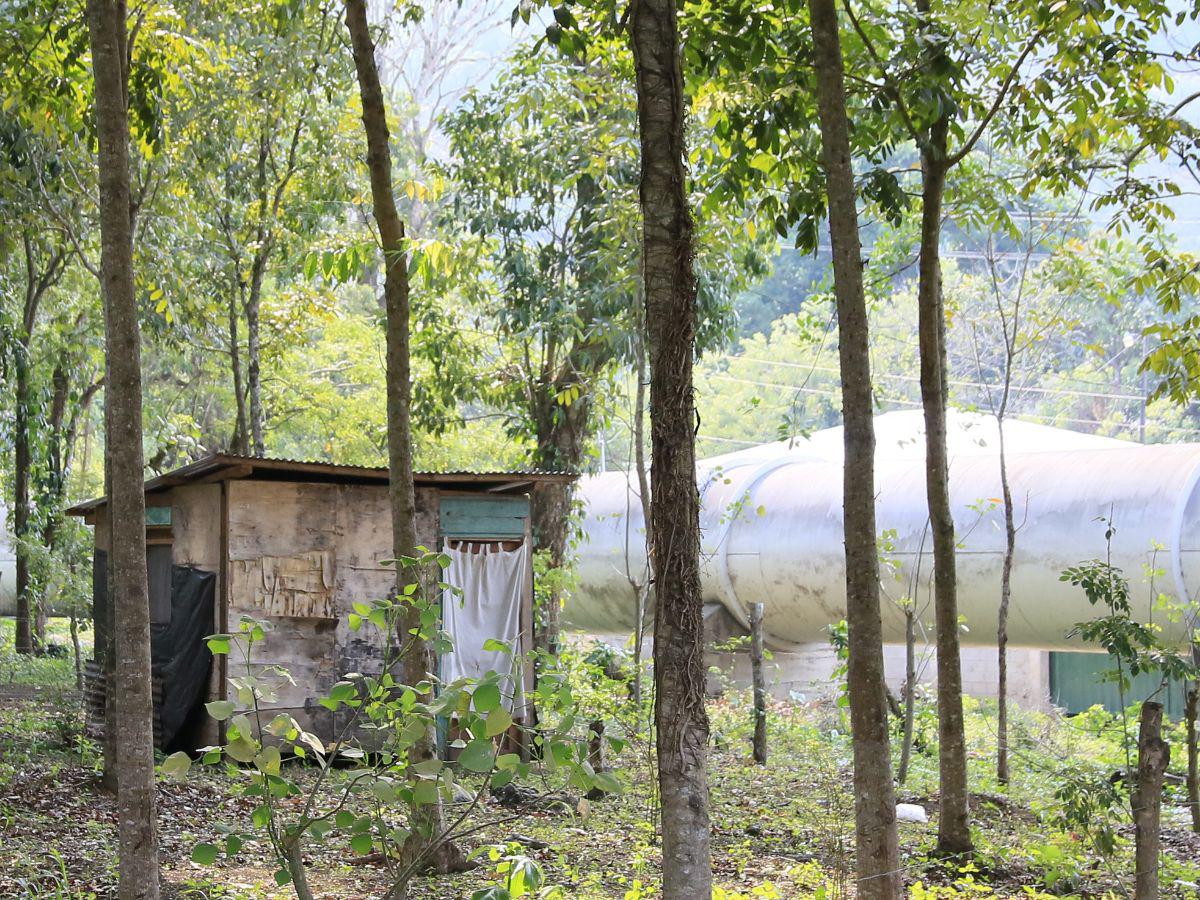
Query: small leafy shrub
384	737
517	876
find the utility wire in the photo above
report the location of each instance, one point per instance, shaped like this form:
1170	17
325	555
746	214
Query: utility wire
915	403
1065	392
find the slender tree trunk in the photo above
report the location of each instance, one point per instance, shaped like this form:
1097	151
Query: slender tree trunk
106	644
910	699
550	519
645	590
54	497
428	820
76	649
954	835
759	682
30	624
294	856
670	288
258	270
21	463
254	360
241	433
1154	754
875	805
1191	712
137	829
1193	754
1010	549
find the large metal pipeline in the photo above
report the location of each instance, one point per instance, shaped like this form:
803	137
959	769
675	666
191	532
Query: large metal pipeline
772	531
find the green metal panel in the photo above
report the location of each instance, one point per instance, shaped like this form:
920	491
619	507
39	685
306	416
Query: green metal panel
484	517
1077	683
158	515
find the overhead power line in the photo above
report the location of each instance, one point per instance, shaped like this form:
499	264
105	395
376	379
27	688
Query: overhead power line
1053	420
1065	392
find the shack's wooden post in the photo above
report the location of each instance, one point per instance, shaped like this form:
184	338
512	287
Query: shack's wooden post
1153	756
760	684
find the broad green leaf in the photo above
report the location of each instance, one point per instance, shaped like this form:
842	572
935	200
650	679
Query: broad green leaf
205	854
220	709
176	765
425	792
498	721
242	750
268	760
607	782
486	696
477	756
428	767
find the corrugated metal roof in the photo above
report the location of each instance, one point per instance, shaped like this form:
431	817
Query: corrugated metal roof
226	466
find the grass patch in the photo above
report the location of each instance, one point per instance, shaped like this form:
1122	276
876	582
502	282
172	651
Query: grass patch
55	670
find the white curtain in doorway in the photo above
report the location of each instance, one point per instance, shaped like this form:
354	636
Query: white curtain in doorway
491	581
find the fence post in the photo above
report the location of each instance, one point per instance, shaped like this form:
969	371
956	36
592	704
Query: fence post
760	684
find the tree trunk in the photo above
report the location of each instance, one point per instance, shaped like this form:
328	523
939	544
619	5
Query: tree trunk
1193	754
910	698
106	644
1010	549
241	434
30	634
550	520
1191	712
875	805
670	288
562	430
954	835
54	496
597	758
76	649
428	824
759	683
645	594
137	831
258	270
21	464
253	361
294	857
1154	754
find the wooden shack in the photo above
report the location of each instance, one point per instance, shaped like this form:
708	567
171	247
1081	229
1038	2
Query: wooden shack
295	544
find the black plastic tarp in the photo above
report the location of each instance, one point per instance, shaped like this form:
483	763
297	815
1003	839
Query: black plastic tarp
180	656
